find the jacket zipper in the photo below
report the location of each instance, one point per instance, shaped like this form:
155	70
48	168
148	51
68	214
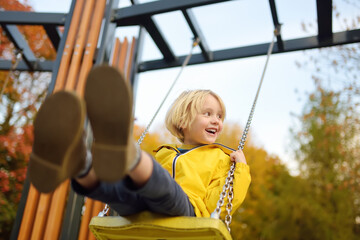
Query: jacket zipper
179	154
174	164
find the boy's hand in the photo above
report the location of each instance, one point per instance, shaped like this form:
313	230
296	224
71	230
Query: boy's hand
238	156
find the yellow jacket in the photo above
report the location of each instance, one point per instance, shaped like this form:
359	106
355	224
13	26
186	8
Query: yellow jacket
201	172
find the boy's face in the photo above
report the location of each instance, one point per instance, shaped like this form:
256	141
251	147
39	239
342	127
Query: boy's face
207	124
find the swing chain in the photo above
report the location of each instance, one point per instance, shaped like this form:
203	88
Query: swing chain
186	61
104	211
230	197
228	186
227	191
247	127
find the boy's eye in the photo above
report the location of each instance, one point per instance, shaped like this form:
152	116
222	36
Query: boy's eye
219	116
207	114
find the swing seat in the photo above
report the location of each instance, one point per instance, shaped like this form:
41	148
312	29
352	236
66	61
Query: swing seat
147	225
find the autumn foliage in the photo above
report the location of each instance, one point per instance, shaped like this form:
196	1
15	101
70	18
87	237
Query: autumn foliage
21	94
34	35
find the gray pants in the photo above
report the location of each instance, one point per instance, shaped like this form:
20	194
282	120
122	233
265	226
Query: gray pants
161	194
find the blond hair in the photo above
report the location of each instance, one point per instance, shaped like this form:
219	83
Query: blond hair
184	109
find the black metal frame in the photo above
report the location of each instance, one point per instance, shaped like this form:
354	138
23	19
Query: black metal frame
50	22
141	15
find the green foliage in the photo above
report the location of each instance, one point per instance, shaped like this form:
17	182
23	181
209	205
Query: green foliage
327	142
327	150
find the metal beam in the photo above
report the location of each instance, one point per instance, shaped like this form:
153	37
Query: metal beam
324	16
153	30
72	218
138	51
338	38
53	34
32	18
21	207
131	15
44	66
196	30
280	43
107	36
158	38
136	59
14	35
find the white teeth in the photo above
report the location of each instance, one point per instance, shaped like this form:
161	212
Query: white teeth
211	130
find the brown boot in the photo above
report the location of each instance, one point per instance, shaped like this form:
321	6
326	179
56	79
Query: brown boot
109	106
59	149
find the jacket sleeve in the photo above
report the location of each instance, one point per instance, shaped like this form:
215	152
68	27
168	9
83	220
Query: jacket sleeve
241	184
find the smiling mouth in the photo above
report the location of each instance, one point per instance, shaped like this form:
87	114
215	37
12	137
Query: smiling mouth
211	131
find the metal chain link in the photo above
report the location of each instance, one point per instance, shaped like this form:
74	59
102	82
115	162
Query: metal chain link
228	186
226	192
104	211
230	196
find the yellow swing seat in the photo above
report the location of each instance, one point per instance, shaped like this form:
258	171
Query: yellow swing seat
147	225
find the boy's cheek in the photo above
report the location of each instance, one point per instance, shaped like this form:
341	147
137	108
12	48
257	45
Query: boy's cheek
220	129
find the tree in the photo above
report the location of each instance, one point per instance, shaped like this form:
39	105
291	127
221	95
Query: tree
328	149
20	97
327	140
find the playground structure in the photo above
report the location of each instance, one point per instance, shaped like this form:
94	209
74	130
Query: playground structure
89	39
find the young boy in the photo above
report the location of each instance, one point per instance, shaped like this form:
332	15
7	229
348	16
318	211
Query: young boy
184	180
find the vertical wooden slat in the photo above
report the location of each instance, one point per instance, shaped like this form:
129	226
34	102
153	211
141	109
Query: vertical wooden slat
56	213
130	60
83	234
97	207
57	205
123	54
96	13
72	73
69	45
79	46
91	44
82	61
29	214
41	216
115	59
31	224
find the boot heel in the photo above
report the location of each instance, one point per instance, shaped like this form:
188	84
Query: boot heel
110	157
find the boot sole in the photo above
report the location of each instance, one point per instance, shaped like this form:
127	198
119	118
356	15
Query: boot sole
58	129
109	107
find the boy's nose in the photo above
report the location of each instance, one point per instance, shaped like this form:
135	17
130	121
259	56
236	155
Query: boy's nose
215	120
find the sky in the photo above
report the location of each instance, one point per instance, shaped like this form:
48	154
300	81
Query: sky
236	81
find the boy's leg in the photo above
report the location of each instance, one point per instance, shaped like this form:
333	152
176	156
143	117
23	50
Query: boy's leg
115	154
109	107
160	193
116	195
59	150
